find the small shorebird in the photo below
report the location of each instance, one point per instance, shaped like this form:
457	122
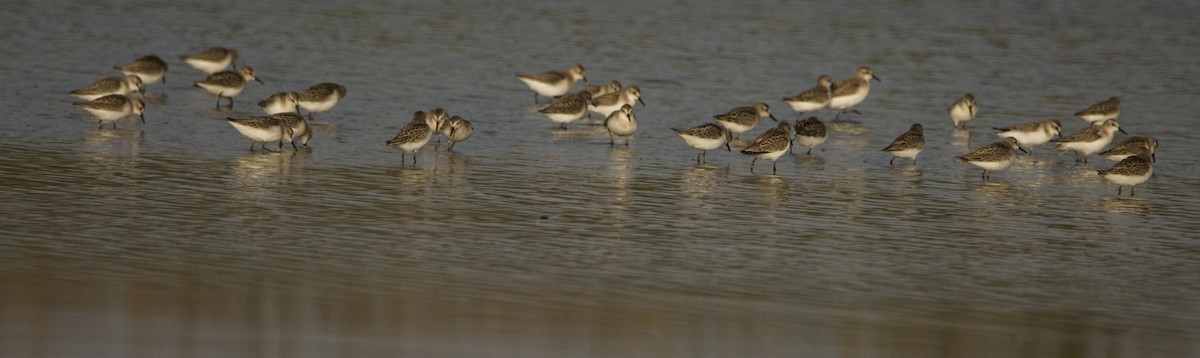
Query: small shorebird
1131	171
1088	140
704	138
149	68
110	85
992	157
1131	147
553	83
771	145
848	92
414	135
810	133
227	84
456	129
281	102
742	119
212	60
321	97
813	99
621	123
963	110
1104	110
907	145
568	108
1031	134
114	107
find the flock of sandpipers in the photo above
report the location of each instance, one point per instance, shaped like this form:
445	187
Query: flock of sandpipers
108	100
1135	155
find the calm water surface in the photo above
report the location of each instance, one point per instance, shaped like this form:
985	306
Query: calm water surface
171	239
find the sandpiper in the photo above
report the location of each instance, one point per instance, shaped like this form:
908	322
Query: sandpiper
321	97
261	130
414	135
907	145
771	145
1089	140
963	110
992	157
568	108
742	119
114	107
1131	171
611	102
810	133
1131	147
149	68
621	123
812	99
848	92
456	129
600	90
553	83
1104	110
212	60
1031	134
281	102
110	85
704	138
227	84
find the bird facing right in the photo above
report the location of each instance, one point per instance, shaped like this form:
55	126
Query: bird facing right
742	119
705	137
1088	140
281	102
227	84
908	144
568	108
553	83
1104	110
1031	134
812	99
414	135
771	145
212	60
992	157
321	97
114	107
848	92
110	85
1130	171
149	68
1130	147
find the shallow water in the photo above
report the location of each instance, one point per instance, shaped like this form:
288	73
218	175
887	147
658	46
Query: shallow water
172	239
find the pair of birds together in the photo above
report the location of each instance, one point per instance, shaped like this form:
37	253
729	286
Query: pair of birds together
413	136
283	122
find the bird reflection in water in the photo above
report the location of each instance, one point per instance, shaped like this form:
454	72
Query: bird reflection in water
112	144
1125	205
619	174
